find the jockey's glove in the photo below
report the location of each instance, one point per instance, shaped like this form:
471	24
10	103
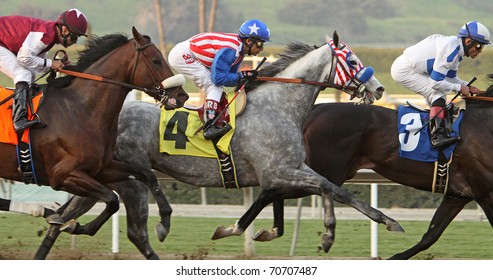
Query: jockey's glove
249	75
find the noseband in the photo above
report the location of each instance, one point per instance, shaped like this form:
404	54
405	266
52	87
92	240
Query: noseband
158	89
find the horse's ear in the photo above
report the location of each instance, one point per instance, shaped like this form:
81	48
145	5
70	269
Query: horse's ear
336	39
137	36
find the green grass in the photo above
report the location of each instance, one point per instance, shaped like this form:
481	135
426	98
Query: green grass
191	236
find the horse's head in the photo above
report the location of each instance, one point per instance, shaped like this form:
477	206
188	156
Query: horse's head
162	84
349	72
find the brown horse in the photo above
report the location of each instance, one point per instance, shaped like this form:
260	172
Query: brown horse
74	153
342	138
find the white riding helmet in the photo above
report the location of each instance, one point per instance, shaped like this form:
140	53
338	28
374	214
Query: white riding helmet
476	31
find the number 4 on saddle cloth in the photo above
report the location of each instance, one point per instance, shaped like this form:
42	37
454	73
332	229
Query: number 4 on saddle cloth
8	134
177	130
415	144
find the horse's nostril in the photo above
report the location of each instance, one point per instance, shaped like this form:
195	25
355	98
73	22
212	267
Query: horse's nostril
381	89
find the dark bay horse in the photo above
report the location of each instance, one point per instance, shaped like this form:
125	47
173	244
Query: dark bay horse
340	139
74	153
368	137
267	145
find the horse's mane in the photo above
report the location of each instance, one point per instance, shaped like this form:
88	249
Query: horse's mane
95	49
489	90
293	52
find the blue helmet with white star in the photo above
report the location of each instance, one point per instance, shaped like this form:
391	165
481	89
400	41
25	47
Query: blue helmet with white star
255	29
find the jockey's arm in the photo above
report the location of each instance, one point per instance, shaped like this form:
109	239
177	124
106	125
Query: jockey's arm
29	54
223	72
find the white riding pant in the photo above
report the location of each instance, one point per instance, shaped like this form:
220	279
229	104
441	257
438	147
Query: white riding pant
183	61
11	67
403	73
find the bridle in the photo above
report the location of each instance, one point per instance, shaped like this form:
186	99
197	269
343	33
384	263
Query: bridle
341	75
157	90
344	73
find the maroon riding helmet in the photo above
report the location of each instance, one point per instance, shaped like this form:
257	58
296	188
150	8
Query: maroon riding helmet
75	20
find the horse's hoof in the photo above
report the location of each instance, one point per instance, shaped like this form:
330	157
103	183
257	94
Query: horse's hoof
265	235
327	242
153	256
161	232
395	226
69	226
54	219
219	233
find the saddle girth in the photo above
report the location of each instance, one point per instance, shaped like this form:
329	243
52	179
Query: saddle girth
24	158
226	167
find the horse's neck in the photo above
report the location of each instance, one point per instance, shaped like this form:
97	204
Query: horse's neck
103	99
298	99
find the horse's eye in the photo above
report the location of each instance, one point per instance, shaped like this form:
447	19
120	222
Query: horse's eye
157	62
352	61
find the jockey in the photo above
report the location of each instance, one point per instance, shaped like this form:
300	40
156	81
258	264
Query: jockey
24	44
212	60
430	69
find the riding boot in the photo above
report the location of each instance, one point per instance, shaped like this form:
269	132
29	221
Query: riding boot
219	128
439	135
19	110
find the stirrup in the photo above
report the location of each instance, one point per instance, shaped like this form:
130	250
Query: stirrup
36	123
440	141
213	132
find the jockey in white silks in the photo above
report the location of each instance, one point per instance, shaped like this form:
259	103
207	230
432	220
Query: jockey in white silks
430	69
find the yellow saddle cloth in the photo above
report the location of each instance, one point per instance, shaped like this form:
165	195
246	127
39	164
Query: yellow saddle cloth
177	129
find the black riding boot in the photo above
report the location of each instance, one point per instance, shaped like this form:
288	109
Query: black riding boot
217	130
439	135
19	110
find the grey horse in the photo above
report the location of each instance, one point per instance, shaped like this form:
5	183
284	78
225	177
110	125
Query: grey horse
267	144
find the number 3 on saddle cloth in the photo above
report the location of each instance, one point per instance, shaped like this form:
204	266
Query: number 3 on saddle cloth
177	130
9	136
414	142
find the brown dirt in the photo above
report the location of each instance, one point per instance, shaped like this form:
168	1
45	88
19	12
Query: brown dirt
13	254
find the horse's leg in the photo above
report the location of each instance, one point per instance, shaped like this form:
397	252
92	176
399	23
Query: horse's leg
291	183
32	209
4	204
486	203
135	197
265	197
121	171
278	225
310	185
75	207
48	242
445	213
79	183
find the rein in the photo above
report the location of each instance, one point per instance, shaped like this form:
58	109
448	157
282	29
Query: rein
483	98
158	90
307	82
103	79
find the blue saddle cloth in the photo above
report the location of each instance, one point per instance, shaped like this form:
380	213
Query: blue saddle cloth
418	146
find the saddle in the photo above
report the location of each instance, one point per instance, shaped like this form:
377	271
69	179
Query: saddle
8	135
422	150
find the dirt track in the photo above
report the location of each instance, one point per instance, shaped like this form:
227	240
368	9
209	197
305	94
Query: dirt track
232	211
